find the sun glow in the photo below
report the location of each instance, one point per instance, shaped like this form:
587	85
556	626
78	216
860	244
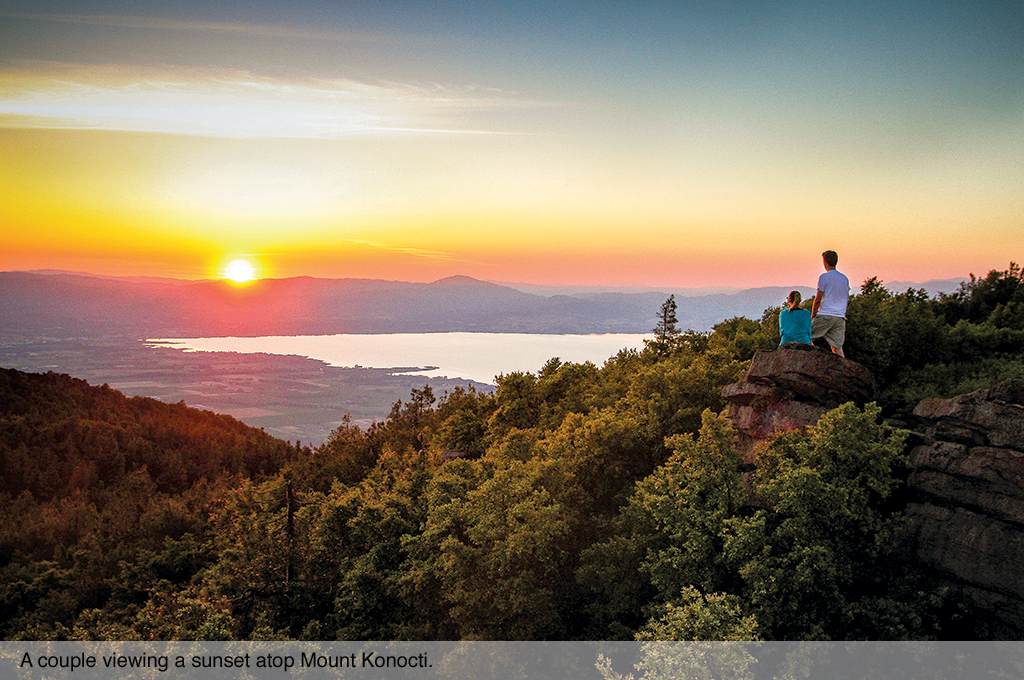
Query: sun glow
240	271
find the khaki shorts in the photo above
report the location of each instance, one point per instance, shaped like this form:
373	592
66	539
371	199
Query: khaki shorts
832	328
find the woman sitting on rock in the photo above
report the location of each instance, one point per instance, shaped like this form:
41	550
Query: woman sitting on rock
795	323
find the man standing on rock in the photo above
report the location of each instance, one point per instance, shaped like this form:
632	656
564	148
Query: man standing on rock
828	312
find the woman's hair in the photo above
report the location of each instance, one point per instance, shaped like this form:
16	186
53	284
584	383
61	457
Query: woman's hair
794	300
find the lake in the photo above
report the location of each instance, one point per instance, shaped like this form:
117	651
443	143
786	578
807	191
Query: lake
472	356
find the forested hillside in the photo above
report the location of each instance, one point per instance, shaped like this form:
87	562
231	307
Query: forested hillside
577	502
106	500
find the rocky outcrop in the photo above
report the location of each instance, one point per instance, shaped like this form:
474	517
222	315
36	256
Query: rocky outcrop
791	387
454	454
967	503
965	489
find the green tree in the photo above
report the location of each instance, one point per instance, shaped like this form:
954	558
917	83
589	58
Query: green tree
998	297
711	625
671	533
695	616
360	581
666	333
501	549
808	558
742	337
917	347
461	421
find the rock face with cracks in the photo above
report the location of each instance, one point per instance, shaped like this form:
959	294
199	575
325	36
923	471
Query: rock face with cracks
967	509
791	387
966	478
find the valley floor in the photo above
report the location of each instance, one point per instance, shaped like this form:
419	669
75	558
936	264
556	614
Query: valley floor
293	398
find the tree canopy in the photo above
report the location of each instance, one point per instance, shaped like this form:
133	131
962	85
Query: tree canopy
577	502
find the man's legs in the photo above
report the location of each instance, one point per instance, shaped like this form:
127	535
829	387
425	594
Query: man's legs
833	329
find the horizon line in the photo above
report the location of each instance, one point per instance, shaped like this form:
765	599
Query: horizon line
517	285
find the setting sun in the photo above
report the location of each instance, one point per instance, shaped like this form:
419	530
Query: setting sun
240	271
399	145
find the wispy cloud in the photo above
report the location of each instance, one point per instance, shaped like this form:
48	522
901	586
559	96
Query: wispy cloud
416	252
253	30
243	105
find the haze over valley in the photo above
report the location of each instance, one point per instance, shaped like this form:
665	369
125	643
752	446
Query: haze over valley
95	328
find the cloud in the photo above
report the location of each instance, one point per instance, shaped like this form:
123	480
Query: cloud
237	104
253	30
415	252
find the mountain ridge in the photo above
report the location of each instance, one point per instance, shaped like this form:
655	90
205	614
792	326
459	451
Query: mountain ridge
72	304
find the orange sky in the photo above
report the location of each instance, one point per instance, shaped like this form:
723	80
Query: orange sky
418	151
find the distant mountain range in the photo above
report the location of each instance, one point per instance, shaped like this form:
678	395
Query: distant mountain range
66	304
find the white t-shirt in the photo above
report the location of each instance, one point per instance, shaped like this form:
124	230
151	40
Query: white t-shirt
836	289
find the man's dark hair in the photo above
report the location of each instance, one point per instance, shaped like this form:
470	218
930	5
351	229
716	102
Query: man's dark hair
831	258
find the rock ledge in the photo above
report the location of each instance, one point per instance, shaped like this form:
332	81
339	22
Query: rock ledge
791	387
967	498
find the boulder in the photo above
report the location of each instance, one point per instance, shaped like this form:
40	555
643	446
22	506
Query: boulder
791	387
815	376
986	417
454	454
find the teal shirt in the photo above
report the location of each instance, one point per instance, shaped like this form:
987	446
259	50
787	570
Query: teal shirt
795	326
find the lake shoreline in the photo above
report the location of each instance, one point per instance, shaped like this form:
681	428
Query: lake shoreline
290	397
474	356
